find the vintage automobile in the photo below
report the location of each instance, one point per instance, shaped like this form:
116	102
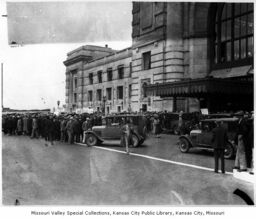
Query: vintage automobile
202	137
111	129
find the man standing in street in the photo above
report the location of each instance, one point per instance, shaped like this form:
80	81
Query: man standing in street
127	134
219	141
70	130
34	128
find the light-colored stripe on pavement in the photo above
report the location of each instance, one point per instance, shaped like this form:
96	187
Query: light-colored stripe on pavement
158	159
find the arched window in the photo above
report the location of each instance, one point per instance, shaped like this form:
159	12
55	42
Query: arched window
233	34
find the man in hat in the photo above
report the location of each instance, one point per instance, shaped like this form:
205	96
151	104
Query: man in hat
219	141
70	130
34	128
85	127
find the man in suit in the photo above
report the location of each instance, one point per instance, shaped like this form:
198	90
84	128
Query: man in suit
219	141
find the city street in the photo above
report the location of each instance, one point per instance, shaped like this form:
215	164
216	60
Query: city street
156	173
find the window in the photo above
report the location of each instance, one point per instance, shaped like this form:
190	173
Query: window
109	93
91	78
75	97
120	92
233	33
109	74
120	70
130	91
99	76
75	83
146	60
130	69
99	95
90	96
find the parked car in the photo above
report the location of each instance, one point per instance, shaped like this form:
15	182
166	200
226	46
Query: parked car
172	122
111	129
202	137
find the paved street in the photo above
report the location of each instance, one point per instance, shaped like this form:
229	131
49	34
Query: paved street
80	175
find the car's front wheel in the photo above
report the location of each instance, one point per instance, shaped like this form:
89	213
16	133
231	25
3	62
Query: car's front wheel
229	151
91	140
135	141
184	145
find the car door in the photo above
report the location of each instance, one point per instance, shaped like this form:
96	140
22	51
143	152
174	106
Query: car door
205	138
112	131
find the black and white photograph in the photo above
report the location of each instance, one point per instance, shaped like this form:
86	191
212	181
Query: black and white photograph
127	103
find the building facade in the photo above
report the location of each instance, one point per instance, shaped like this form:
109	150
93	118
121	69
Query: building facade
184	56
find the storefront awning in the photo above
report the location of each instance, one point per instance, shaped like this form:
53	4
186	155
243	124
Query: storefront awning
200	87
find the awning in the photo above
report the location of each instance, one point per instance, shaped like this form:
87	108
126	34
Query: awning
200	87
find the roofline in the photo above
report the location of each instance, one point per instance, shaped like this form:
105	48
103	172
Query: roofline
112	54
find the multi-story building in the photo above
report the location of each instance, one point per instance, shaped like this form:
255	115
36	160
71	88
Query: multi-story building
98	78
184	56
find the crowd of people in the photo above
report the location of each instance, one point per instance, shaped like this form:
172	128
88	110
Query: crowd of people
65	128
71	127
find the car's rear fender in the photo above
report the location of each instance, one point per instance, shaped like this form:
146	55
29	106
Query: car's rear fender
188	139
93	133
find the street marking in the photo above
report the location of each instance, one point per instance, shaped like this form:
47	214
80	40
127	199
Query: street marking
178	197
156	158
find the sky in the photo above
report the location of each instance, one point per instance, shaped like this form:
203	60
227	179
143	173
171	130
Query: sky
44	32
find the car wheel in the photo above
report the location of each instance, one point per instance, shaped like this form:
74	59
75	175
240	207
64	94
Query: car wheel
184	145
91	140
135	141
229	151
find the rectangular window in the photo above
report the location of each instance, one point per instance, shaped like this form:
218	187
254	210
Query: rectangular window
99	76
236	50
91	78
109	93
130	90
237	27
228	51
75	82
250	46
75	97
146	60
90	96
243	48
120	92
120	70
99	95
110	74
243	21
250	24
130	69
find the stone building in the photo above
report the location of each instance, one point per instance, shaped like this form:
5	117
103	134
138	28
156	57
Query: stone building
98	78
184	56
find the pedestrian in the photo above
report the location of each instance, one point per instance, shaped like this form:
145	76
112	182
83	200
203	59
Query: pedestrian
49	130
180	124
85	127
127	133
240	160
25	125
70	130
156	126
34	128
219	141
19	126
63	130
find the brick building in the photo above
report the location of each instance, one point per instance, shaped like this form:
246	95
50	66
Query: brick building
184	56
